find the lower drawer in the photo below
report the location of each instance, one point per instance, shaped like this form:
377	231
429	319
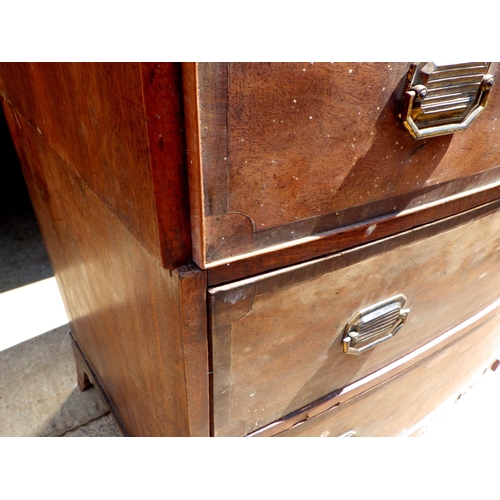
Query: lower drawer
393	408
277	338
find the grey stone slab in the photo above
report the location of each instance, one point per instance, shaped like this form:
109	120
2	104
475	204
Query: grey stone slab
38	390
102	427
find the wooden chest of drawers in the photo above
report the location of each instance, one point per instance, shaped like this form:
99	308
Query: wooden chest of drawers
220	232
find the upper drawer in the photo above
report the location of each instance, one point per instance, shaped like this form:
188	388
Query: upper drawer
277	339
283	153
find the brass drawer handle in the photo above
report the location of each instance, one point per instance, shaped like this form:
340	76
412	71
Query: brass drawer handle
375	324
441	99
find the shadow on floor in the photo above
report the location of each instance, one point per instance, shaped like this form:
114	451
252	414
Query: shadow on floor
39	394
23	258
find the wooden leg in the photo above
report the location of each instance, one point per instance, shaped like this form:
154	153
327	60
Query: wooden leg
81	369
87	378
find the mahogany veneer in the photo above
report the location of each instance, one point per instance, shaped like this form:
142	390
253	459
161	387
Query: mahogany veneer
214	226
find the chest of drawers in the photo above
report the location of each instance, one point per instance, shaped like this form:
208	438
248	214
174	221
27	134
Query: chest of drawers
267	249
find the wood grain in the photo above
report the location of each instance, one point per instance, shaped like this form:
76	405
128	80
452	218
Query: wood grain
97	118
399	406
164	110
286	327
298	191
382	376
351	236
142	328
86	377
311	148
192	285
193	153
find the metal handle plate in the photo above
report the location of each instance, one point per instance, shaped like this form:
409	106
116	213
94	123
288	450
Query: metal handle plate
441	98
373	325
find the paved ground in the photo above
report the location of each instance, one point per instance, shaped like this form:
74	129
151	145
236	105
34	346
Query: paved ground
39	395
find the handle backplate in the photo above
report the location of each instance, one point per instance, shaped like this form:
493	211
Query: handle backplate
373	325
444	98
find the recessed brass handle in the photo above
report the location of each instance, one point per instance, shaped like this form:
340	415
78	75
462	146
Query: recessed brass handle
440	99
375	324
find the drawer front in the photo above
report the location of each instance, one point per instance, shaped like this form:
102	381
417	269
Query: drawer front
277	338
280	153
395	408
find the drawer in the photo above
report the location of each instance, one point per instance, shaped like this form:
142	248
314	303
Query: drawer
277	338
400	405
280	154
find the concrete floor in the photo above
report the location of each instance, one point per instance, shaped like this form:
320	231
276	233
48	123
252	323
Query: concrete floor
39	395
38	391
